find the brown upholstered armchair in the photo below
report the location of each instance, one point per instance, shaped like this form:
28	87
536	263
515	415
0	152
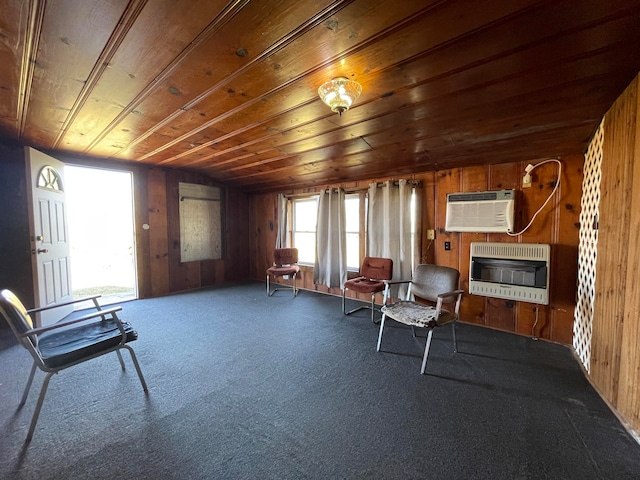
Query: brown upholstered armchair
285	262
436	284
375	273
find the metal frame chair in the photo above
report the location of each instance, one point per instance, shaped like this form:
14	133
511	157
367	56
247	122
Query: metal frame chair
436	284
375	273
284	263
66	343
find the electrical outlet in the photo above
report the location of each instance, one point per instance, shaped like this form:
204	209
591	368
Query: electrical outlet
431	234
526	180
447	245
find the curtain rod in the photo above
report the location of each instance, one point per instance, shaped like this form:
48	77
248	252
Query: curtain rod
204	199
313	194
415	183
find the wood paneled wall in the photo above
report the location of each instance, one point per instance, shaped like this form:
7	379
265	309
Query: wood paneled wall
159	269
556	225
615	358
15	245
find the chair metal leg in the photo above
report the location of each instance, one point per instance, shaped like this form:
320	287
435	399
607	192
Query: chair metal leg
357	309
45	385
372	307
121	360
36	412
455	341
137	365
293	286
384	316
25	394
426	351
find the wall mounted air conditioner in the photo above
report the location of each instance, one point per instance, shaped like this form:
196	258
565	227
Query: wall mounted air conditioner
480	211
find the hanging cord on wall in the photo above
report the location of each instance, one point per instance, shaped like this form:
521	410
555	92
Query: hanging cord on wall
529	169
533	329
423	257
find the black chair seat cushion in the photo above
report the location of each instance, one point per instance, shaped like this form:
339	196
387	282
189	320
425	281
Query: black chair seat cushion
364	285
63	347
284	270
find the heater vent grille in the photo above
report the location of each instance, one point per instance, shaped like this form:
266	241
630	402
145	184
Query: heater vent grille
519	251
515	271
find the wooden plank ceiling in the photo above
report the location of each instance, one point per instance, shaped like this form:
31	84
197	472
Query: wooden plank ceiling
229	87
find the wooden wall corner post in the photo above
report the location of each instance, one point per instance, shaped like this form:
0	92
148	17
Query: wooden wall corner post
617	263
629	383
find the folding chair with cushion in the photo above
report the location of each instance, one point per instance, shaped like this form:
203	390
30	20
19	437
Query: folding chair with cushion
284	264
66	343
435	284
375	274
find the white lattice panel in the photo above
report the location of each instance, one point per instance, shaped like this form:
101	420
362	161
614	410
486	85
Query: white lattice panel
588	248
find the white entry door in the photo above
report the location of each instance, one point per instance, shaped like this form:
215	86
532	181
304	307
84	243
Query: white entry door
49	235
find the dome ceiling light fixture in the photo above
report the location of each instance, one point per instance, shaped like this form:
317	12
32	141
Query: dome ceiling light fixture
340	93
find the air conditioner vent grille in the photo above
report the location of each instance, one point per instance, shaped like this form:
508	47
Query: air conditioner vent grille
480	211
472	197
481	196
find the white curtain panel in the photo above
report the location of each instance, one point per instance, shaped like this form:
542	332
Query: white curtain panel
282	240
389	228
331	240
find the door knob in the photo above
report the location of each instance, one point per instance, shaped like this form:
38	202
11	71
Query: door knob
40	250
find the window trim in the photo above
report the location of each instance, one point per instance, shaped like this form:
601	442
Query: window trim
363	232
292	231
361	238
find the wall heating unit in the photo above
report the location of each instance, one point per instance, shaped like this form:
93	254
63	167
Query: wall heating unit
514	271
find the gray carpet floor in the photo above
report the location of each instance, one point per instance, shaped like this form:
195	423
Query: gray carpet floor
242	386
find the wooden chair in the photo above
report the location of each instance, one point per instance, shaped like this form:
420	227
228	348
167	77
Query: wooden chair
436	284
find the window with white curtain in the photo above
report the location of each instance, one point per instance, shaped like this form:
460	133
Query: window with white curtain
352	209
304	217
305	214
391	226
413	228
